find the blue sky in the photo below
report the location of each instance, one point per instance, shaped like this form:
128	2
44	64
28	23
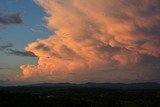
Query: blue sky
20	35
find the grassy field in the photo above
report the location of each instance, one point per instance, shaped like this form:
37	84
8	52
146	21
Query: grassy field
77	97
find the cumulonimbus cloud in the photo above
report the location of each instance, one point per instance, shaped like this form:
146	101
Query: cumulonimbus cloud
10	18
98	40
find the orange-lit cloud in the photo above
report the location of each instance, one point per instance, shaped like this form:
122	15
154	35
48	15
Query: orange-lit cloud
97	40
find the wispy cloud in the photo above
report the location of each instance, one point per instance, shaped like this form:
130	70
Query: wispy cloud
10	18
3	68
7	46
21	53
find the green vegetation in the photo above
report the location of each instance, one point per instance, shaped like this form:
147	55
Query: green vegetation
77	97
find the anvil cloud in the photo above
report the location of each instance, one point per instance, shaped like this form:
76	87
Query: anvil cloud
98	41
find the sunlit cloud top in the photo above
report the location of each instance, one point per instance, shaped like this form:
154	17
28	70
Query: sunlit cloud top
98	41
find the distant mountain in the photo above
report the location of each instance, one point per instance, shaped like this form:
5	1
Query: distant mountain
147	85
52	85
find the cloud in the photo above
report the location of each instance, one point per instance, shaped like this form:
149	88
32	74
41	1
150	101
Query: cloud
7	46
7	82
10	18
3	68
21	53
2	82
97	40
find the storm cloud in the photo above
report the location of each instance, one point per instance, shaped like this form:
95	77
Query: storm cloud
98	41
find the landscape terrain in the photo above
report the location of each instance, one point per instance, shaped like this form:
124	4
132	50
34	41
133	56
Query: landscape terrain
81	95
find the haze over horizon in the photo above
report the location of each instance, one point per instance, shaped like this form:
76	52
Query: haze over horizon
79	41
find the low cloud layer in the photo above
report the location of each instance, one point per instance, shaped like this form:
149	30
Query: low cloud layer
7	83
10	18
98	41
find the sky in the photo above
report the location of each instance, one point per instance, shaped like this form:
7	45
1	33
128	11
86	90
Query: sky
17	36
79	41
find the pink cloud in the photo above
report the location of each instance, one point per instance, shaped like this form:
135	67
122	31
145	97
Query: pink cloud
96	40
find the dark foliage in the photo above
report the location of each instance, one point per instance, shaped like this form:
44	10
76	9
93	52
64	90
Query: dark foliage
78	97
